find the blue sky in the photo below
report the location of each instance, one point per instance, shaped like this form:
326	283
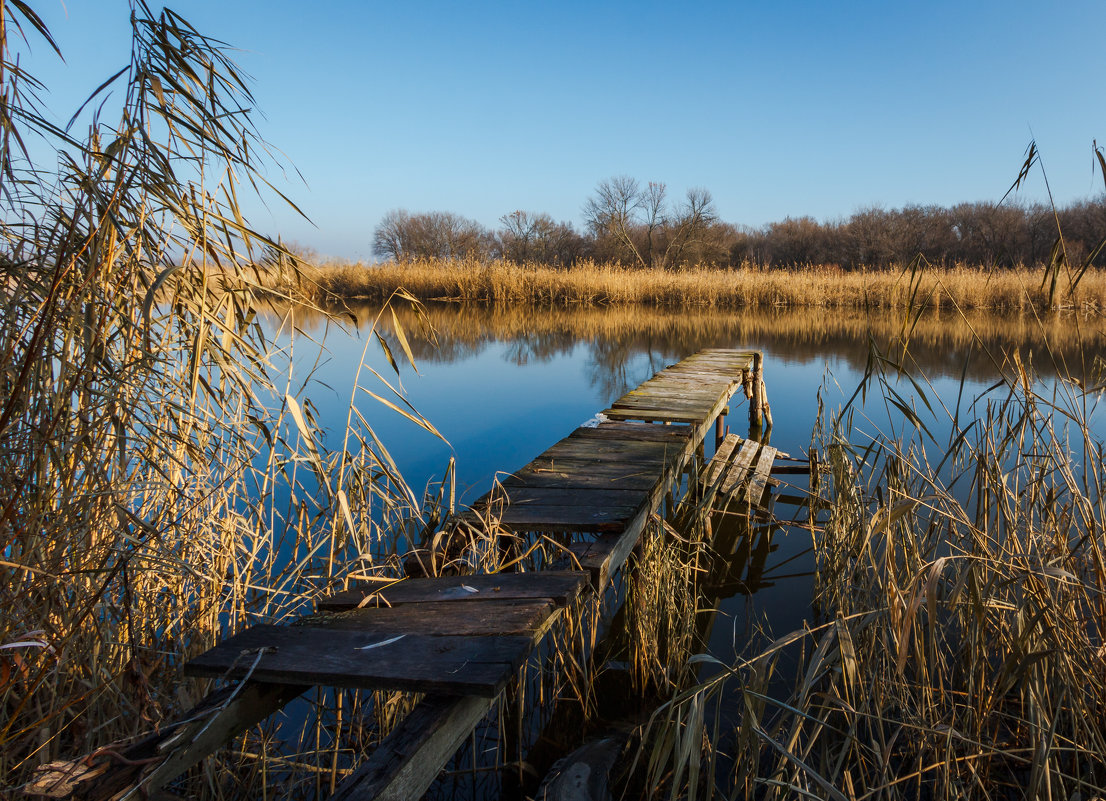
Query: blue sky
778	108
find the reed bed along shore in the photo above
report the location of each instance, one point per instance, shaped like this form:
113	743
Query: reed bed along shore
591	283
956	649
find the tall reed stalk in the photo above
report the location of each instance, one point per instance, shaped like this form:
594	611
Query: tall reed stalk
161	484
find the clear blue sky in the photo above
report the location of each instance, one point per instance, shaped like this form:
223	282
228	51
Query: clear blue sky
778	108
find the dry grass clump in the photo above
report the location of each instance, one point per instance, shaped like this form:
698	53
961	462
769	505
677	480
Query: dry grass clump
661	605
591	283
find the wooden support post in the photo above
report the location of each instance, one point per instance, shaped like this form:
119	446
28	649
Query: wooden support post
766	409
212	723
719	430
409	760
756	411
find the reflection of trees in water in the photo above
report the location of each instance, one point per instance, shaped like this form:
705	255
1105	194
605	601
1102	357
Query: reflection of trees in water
621	339
608	366
540	347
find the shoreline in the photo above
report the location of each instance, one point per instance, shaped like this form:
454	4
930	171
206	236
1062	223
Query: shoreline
964	288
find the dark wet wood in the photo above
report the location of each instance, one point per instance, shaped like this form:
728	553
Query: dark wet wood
340	658
511	617
595	555
564	496
636	477
407	762
564	519
791	469
562	587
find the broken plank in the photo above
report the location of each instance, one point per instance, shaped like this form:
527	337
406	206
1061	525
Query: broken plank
720	459
760	474
418	663
594	556
740	467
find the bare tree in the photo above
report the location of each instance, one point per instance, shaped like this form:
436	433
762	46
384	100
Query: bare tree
432	235
643	227
691	238
538	238
612	214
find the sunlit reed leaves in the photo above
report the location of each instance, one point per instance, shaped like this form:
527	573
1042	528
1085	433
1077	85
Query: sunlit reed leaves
164	480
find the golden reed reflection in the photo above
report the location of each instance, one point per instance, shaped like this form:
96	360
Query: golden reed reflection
936	342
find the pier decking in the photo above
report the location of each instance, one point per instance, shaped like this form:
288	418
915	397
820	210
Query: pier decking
462	639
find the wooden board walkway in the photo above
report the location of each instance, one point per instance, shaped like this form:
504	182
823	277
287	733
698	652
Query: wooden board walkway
462	639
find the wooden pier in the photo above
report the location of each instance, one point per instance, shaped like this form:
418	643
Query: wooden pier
461	640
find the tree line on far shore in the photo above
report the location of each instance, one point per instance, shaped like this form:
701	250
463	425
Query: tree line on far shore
639	224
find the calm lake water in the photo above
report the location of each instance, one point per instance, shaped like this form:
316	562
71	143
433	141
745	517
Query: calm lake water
502	386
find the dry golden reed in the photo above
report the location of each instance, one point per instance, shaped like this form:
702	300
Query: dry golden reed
956	647
590	283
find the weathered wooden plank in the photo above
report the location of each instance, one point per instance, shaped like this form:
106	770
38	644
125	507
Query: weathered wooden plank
675	382
407	762
740	467
563	519
760	476
729	351
721	458
611	449
418	663
487	618
576	456
641	478
688	391
711	380
607	468
617	429
713	361
561	586
648	414
594	556
720	356
693	382
662	402
562	496
709	371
